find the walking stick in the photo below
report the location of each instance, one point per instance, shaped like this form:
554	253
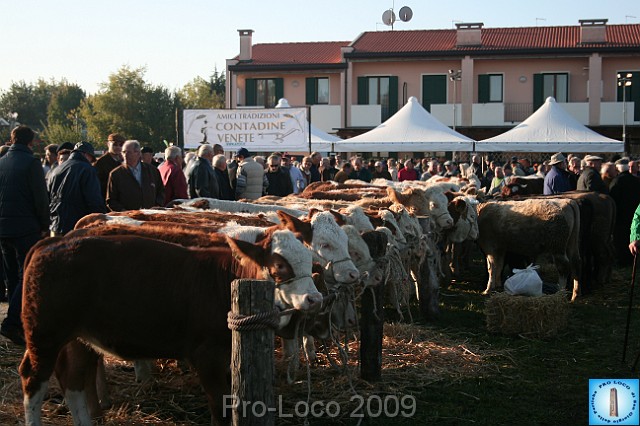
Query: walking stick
633	283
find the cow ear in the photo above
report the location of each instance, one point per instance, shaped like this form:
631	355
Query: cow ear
340	219
450	196
460	205
246	252
296	225
312	212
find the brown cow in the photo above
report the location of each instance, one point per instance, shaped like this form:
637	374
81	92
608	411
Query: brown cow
176	311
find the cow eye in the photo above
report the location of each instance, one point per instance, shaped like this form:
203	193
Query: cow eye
434	206
325	246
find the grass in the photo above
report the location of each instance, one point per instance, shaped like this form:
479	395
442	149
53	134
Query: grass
456	370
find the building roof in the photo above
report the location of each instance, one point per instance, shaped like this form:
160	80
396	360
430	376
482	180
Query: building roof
493	40
327	54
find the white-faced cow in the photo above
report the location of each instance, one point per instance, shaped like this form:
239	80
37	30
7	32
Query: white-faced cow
176	311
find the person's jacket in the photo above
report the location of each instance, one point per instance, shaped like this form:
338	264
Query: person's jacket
279	183
362	174
104	165
174	181
202	180
251	181
590	180
24	202
224	185
556	182
125	193
74	190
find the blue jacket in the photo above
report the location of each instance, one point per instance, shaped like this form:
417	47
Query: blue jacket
75	192
24	203
556	182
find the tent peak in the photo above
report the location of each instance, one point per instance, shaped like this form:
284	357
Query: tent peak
412	100
283	103
551	99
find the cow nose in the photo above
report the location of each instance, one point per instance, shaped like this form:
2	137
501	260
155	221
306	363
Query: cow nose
377	278
351	322
313	301
353	275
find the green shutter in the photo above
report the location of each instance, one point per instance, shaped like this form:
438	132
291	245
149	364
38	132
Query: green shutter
311	88
434	90
279	88
483	88
393	95
538	91
250	91
635	95
363	90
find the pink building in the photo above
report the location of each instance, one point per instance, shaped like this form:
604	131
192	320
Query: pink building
482	81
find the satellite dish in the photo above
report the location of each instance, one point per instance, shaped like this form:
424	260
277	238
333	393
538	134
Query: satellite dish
388	17
405	14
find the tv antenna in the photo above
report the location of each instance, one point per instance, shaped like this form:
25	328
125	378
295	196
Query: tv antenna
389	16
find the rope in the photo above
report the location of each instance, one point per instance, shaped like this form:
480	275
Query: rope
260	321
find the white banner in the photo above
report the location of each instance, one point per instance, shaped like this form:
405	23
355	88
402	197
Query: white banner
282	129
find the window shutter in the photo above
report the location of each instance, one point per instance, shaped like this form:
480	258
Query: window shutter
538	91
434	90
363	90
635	94
483	88
393	95
311	91
279	88
250	91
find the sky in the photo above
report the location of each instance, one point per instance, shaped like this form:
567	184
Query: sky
84	41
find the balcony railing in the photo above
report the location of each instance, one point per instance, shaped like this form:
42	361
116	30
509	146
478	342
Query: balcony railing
517	112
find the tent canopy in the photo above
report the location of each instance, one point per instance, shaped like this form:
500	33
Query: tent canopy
412	128
320	140
550	129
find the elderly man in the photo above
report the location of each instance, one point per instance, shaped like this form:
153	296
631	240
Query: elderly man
134	184
279	178
625	191
74	190
316	161
147	156
451	169
251	181
359	171
590	179
173	178
225	192
202	179
380	172
575	169
298	180
557	180
109	160
408	172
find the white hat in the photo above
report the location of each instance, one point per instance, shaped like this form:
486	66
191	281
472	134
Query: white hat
592	158
556	158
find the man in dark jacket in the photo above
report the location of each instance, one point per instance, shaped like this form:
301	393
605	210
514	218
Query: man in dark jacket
24	219
134	184
625	191
202	179
225	191
279	178
74	190
590	179
109	160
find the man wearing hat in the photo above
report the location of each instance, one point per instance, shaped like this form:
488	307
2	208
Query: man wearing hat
251	181
590	179
625	191
556	180
147	156
74	190
451	169
109	160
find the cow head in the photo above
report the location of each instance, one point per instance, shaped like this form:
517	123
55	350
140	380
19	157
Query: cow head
328	242
466	226
288	263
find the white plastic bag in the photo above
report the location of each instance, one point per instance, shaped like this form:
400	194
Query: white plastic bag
525	282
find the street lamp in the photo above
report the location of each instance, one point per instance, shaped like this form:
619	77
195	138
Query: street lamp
624	81
454	76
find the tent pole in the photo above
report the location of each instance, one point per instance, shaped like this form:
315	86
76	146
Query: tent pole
309	126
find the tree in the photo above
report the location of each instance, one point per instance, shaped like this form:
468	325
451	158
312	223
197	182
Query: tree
64	105
60	133
128	105
30	101
203	94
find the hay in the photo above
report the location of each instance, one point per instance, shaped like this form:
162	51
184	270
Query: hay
538	317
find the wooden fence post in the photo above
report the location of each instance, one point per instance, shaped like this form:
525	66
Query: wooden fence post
252	366
371	331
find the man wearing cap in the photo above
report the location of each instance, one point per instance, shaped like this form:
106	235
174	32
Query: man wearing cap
451	169
516	167
251	181
625	191
109	160
74	190
147	156
590	179
134	185
556	181
380	172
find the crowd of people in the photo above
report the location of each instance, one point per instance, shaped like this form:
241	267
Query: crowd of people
47	197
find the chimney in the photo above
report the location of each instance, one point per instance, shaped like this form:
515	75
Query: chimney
469	34
593	30
245	45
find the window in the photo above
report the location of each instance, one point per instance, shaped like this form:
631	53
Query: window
263	92
317	90
551	84
434	90
381	91
489	88
632	93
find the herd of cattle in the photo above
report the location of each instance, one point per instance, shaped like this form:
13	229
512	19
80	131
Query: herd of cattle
155	284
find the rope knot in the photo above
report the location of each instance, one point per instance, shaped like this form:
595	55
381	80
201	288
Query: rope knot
260	321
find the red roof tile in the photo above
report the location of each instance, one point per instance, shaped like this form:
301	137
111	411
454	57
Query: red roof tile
322	52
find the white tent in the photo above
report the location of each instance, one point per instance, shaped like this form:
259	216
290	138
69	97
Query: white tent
550	129
410	129
320	141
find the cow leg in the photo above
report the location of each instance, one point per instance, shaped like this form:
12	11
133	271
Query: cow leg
564	269
211	364
428	290
309	348
35	372
76	370
102	387
495	263
290	348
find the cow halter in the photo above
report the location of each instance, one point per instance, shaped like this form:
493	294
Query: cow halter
291	280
